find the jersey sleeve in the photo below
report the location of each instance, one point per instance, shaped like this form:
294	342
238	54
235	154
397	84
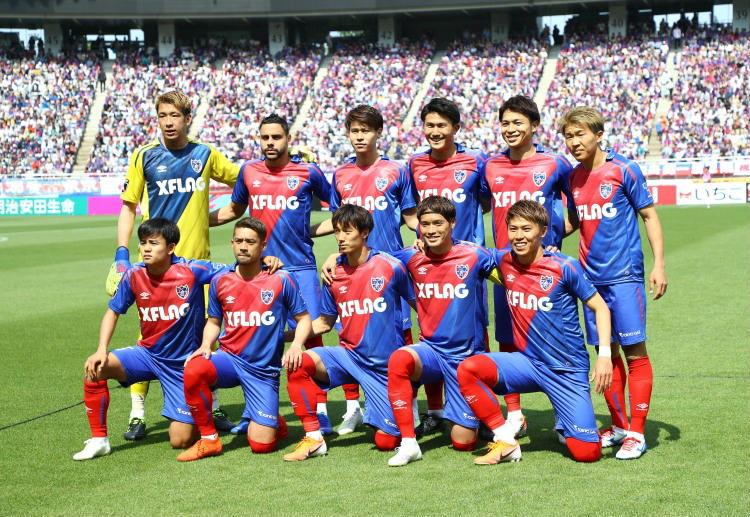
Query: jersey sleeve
407	190
135	179
403	255
577	281
334	202
222	169
292	299
495	275
319	183
484	187
205	270
402	282
123	298
240	194
635	186
214	304
485	261
563	170
327	302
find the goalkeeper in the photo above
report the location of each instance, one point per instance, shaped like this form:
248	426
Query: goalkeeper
170	178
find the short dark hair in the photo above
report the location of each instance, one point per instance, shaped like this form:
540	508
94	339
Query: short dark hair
253	224
437	205
443	107
353	216
529	210
523	105
159	226
365	114
275	119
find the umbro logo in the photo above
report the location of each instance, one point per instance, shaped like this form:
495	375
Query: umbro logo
256	183
499	180
144	296
161	168
422	177
342	289
229	299
347	187
642	406
510	277
422	271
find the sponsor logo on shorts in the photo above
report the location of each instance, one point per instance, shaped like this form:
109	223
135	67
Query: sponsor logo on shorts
585	431
389	423
197	165
629	334
467	416
182	291
292	182
266	415
182	411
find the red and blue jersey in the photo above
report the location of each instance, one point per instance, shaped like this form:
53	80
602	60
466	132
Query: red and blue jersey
607	200
448	287
541	177
459	179
255	312
171	307
282	199
384	189
367	298
543	304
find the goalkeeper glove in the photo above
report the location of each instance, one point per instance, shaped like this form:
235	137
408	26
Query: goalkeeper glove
304	153
117	269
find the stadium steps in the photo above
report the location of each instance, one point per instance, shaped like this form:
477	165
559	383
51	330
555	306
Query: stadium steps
662	109
203	104
548	74
416	104
304	109
92	124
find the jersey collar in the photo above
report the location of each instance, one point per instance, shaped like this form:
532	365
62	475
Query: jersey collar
538	148
341	259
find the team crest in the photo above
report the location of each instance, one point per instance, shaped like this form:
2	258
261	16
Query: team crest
605	190
377	283
545	282
381	184
459	176
539	178
197	165
266	296
292	182
462	270
182	291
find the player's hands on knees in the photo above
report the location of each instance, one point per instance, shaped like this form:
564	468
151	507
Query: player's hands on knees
94	365
657	282
117	269
602	374
292	358
272	263
205	351
328	269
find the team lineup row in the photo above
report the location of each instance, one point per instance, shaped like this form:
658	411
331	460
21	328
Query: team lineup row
604	195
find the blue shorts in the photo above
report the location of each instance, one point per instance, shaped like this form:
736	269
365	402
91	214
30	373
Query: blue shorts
627	304
567	391
344	368
261	393
140	365
503	323
309	288
435	368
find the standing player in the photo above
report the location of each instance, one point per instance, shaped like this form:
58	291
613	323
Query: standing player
169	294
279	190
448	277
541	289
610	192
254	306
366	295
523	171
450	170
385	189
170	178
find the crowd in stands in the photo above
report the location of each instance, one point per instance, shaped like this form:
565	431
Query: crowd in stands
128	120
710	110
44	109
362	73
250	85
479	75
620	77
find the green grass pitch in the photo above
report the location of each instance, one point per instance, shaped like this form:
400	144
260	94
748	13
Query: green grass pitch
52	274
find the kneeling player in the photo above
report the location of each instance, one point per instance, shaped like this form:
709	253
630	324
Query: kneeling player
366	295
254	305
541	289
168	291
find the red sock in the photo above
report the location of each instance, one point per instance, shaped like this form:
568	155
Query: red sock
434	392
615	396
302	390
261	448
400	369
282	431
476	377
96	402
586	452
463	446
199	375
385	441
512	400
640	382
408	339
351	391
321	396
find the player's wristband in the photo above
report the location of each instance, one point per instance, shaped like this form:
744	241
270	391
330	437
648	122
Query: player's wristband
122	253
605	351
